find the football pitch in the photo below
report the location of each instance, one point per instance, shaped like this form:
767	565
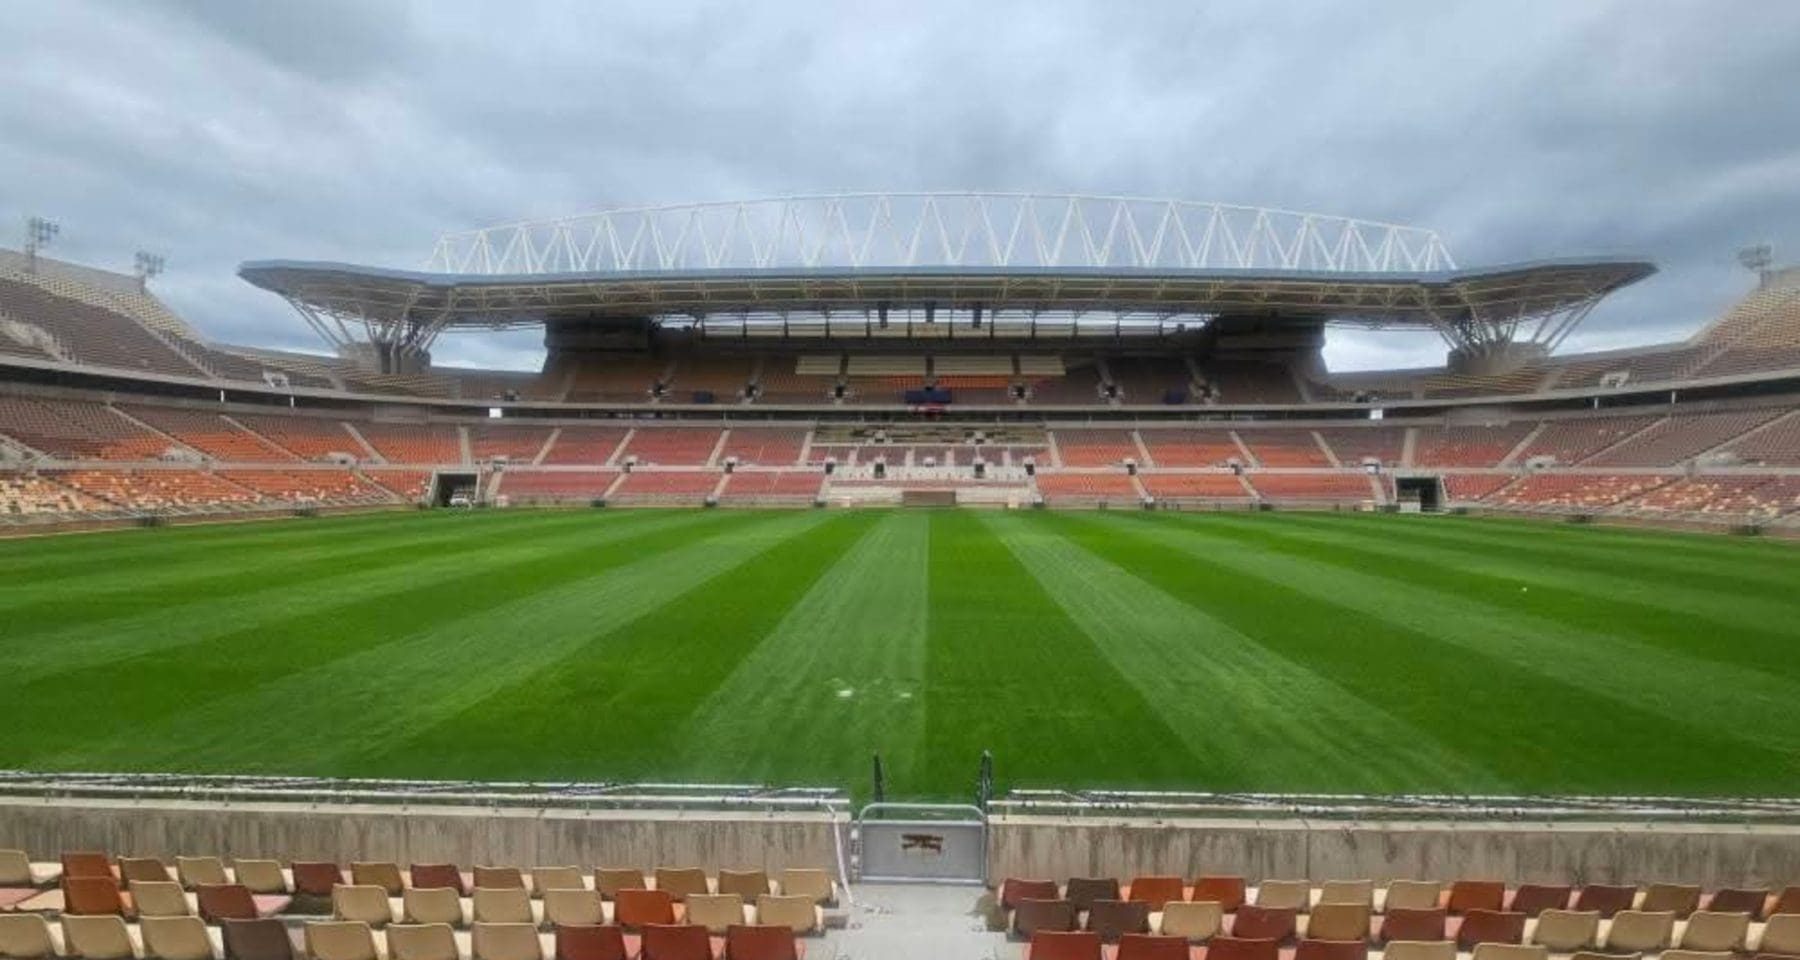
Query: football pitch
1270	652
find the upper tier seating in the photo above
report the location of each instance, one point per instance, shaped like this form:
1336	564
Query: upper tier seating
527	485
414	442
1284	448
1252	381
603	378
92	334
672	446
1681	437
79	430
1188	448
696	377
209	433
518	443
1776	444
807	379
310	438
1467	446
1330	487
1148	380
1204	486
1650	366
1096	448
764	447
1571	441
1079	384
591	446
1354	445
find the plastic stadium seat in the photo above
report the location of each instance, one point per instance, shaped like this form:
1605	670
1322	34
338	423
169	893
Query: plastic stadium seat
1012	890
797	913
1083	891
261	876
663	941
1112	919
1284	894
1226	891
610	880
229	901
1509	951
1413	895
1781	935
1252	922
1238	948
1408	923
505	941
1466	895
1678	898
1339	921
502	905
1787	901
86	864
1638	931
429	875
340	940
361	901
681	881
808	882
1710	931
1740	900
1599	955
92	896
1490	926
180	938
641	908
1146	946
159	899
575	908
496	878
1679	954
761	942
1532	899
25	936
1155	891
315	879
432	905
748	884
1070	945
422	941
146	869
97	938
1192	920
15	869
1565	931
383	874
265	939
194	871
1360	892
715	911
589	941
555	878
1419	950
1028	917
1311	949
1605	899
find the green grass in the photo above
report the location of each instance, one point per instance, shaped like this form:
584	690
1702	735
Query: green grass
1209	651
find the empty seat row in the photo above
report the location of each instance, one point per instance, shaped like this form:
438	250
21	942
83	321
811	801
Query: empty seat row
1081	945
632	908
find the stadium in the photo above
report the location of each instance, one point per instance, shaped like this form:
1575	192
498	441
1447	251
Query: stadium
1007	539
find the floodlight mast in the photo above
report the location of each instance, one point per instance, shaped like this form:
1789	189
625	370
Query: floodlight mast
147	265
38	234
1757	259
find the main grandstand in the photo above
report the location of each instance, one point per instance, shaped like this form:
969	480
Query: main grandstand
871	349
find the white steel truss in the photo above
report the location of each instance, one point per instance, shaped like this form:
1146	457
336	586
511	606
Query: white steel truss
925	230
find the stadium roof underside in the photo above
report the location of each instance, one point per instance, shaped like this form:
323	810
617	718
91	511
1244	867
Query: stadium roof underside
1538	302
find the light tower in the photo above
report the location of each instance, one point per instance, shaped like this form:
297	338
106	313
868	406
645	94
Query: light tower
38	233
1757	259
147	265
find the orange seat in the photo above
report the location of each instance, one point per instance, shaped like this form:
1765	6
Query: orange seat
589	942
93	896
668	941
1331	950
1226	891
220	902
1605	900
1012	890
1532	899
1403	923
1466	895
1070	945
87	864
642	908
1490	926
1145	946
315	879
432	876
1155	891
761	942
1238	948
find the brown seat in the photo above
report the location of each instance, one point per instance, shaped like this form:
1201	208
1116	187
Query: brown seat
1155	891
143	869
1311	949
1146	946
1740	900
220	902
92	896
589	941
1679	899
265	939
1787	901
378	873
1359	892
427	876
1490	926
1252	922
1224	890
610	880
1112	919
1410	924
1339	921
315	879
642	908
1605	899
1030	916
1083	891
748	884
494	878
1062	945
746	942
1238	948
1013	889
665	941
1466	895
86	863
681	881
1532	899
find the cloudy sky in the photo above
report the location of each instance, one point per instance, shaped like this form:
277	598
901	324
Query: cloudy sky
217	131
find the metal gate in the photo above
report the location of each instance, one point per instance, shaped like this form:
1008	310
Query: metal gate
922	842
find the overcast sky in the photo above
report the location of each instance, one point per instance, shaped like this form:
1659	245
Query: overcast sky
226	130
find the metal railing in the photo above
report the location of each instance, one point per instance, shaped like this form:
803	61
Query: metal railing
1173	804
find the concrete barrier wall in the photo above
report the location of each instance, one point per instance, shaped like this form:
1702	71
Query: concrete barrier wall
1711	855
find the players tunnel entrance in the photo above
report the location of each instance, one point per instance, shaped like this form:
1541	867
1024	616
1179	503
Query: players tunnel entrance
453	490
1425	492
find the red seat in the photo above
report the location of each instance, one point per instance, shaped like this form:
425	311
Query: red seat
1147	946
1252	922
315	879
429	876
1237	948
1490	926
93	896
1226	891
761	942
1606	900
1332	950
667	941
1737	900
589	942
1404	923
1071	945
1012	890
641	908
220	902
1466	895
1532	899
87	864
265	939
1788	901
1155	891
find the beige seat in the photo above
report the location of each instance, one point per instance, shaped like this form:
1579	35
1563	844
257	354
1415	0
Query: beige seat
1412	895
1709	932
340	940
1360	892
1284	894
1635	931
261	876
15	869
682	882
502	905
103	937
195	871
807	882
176	938
1781	935
610	880
716	911
26	936
1338	921
159	899
383	874
506	941
556	878
133	869
435	905
500	877
1565	931
1509	951
1697	955
422	941
1419	950
748	884
1194	920
361	901
1679	899
579	907
794	911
